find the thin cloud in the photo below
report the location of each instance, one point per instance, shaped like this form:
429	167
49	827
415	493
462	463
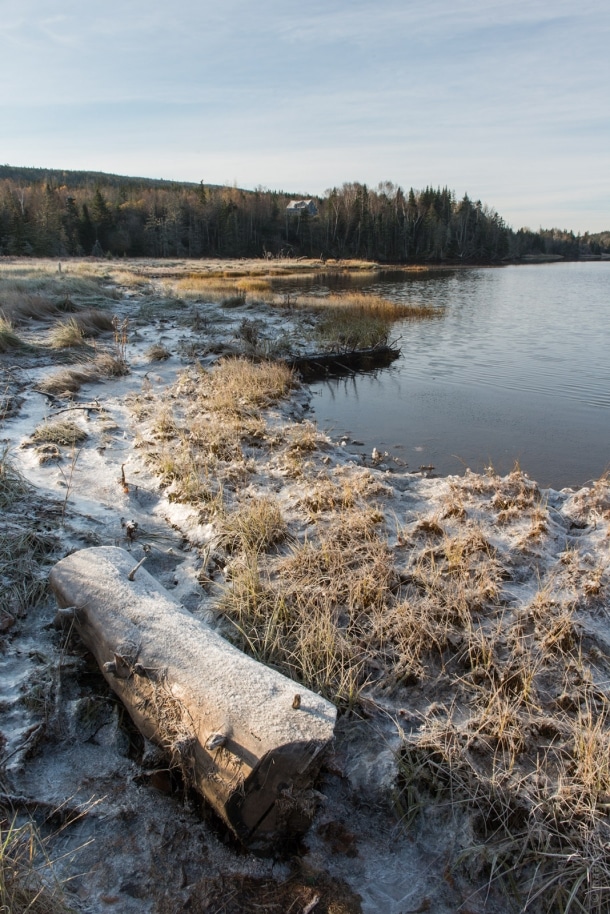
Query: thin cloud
506	101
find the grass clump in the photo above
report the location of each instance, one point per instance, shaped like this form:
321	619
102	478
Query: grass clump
69	381
66	335
8	337
210	420
188	479
18	306
109	365
40	292
27	882
157	353
242	387
199	287
368	303
12	484
62	432
23	556
93	321
24	551
231	289
256	527
353	320
346	329
254	284
309	613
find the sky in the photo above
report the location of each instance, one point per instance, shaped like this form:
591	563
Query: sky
508	102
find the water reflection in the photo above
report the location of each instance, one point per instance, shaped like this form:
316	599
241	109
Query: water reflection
516	369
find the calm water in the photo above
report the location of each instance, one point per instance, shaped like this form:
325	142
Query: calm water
516	368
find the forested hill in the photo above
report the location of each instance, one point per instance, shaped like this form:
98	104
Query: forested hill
81	180
63	213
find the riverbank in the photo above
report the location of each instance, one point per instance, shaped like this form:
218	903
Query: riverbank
460	624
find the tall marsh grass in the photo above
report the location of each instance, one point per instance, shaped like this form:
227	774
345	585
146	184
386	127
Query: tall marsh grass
365	303
355	320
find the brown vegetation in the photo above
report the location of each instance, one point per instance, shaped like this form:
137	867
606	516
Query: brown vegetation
470	613
518	734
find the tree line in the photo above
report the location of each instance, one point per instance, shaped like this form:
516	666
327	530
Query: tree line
61	214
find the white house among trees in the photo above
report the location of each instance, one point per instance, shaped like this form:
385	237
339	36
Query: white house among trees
298	207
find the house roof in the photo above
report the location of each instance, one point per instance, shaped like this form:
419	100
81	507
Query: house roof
298	205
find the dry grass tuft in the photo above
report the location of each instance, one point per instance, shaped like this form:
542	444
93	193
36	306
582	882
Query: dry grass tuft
62	432
93	321
8	338
254	527
109	365
212	419
22	301
67	381
326	495
352	320
360	303
310	614
303	438
242	387
157	353
342	330
70	380
12	484
18	306
66	335
592	502
198	287
254	284
164	426
23	551
27	882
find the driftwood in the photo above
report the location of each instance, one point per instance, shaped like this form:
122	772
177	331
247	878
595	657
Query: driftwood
316	366
247	738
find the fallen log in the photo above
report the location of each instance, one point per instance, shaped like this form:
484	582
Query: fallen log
247	738
317	366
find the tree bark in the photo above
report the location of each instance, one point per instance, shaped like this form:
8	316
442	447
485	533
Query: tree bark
236	728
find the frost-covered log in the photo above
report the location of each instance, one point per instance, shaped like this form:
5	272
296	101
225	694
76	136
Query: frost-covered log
239	731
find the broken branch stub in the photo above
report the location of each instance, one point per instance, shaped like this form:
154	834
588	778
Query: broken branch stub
230	723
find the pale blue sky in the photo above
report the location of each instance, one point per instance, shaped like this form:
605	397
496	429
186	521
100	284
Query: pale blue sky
507	101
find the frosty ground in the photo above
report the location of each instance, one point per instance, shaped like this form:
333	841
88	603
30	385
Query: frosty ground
459	624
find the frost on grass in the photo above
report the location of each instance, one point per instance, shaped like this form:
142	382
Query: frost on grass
62	432
468	613
25	547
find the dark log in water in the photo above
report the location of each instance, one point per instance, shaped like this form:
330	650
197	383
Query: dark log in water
317	366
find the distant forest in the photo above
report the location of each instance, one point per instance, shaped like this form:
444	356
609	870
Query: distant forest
48	213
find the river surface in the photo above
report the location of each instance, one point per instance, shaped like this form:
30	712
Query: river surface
516	368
